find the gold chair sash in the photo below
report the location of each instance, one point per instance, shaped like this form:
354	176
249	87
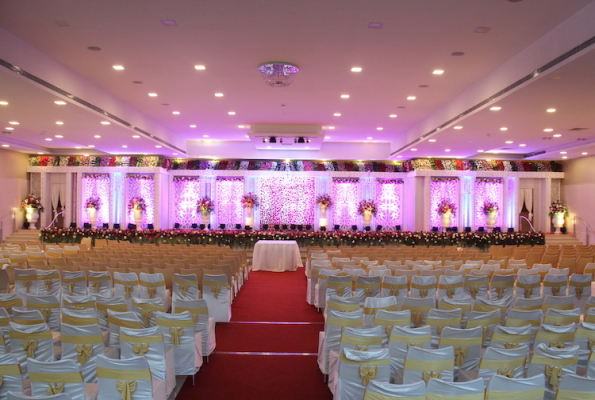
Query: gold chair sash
57	377
176	334
392	322
510	340
383	361
95	285
127	285
128	374
503	364
579	287
522	322
555	286
146	315
487	308
507	372
142	339
367	373
48	284
531	394
55	389
126	388
460	353
339	306
470	396
472	323
554	372
79	306
377	396
183	288
473	290
427	375
345	322
528	288
410	339
84	351
554	337
395	288
76	321
574	395
30	346
124	323
358	340
443	322
543	360
140	349
448	306
374	310
152	291
549	319
26	285
429	365
450	288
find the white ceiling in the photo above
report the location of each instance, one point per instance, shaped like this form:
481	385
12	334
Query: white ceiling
325	40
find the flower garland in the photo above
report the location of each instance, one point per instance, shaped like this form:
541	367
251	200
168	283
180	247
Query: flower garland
249	200
137	203
93	202
205	205
32	201
446	206
490	207
140	177
558	207
324	200
367	207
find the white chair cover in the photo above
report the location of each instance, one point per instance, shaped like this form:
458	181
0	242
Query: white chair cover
584	338
591	365
185	287
373	304
439	389
555	336
501	388
524	317
574	387
361	339
126	285
390	264
419	309
74	283
338	286
315	268
424	364
48	283
579	286
63	376
87	316
343	304
511	337
118	377
528	304
146	309
528	286
559	271
464	303
10	300
422	267
216	293
12	375
78	302
377	390
400	340
439	319
388	319
379	272
202	322
490	305
501	286
152	286
366	286
31	342
100	283
25	281
487	320
320	288
48	305
329	339
117	320
552	363
557	317
82	344
354	272
467	345
19	396
23	316
395	286
505	362
450	287
178	333
555	284
357	368
423	287
558	302
109	303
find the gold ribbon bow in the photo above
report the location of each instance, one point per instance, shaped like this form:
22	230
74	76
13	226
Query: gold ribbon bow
84	351
528	293
451	292
579	292
553	372
484	333
146	314
79	308
423	293
183	288
70	287
48	284
500	292
592	344
417	318
46	312
128	290
361	347
96	285
195	318
427	375
29	346
26	285
511	345
367	372
439	330
508	372
340	291
368	292
414	345
394	292
176	333
126	388
1	380
216	290
460	353
56	389
140	349
558	345
388	329
151	291
9	310
473	290
555	290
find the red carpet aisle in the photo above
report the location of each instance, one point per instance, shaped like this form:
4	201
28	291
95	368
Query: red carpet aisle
270	315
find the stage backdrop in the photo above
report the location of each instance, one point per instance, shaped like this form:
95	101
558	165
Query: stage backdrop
487	190
141	185
97	185
228	206
443	189
287	200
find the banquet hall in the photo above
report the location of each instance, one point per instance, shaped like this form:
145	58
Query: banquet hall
342	125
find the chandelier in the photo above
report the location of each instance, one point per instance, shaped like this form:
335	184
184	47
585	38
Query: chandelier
278	73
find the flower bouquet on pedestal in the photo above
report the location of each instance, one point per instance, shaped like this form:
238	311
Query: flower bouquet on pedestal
324	201
137	205
367	208
558	212
491	210
446	209
33	207
92	204
205	206
249	200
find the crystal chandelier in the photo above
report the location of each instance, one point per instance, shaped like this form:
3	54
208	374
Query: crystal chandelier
278	73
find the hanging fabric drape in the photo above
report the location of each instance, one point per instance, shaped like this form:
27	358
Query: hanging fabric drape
58	193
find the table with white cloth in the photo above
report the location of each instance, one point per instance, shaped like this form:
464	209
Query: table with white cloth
276	255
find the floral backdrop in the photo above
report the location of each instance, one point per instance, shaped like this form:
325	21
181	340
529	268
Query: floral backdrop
443	188
287	200
97	185
487	190
389	198
228	207
141	186
186	193
345	193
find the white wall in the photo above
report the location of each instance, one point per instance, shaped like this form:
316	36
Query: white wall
13	181
578	192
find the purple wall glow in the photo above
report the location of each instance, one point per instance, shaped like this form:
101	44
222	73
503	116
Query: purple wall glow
443	188
228	205
487	190
287	200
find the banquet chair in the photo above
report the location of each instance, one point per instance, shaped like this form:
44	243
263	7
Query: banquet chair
339	286
48	283
353	273
357	368
518	318
366	286
74	283
203	324
579	286
423	287
521	303
10	300
560	317
584	337
396	286
377	390
400	340
31	342
574	387
178	333
148	343
153	286
555	336
109	303
555	284
146	308
86	316
123	319
216	294
82	344
78	302
419	309
25	281
501	286
486	320
320	288
381	272
558	302
388	319
343	304
185	287
505	362
373	304
329	338
450	287
490	305
126	285
467	344
48	305
528	286
503	387
464	303
439	319
511	337
424	364
23	316
438	389
12	375
551	363
126	377
100	283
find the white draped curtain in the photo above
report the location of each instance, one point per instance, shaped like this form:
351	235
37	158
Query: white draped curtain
58	193
526	199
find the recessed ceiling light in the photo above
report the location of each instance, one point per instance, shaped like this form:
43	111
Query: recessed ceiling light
268	147
438	72
59	123
551	110
3	103
480	151
432	140
97	136
175	154
59	136
344	96
91	146
457	127
411	98
40	152
60	102
399	156
218	94
564	157
78	147
307	147
199	67
49	139
548	130
495	108
241	126
331	127
413	149
503	129
369	138
393	116
193	126
13	123
584	153
447	150
379	128
231	112
175	112
85	155
356	69
5	145
152	94
205	135
509	142
105	122
557	135
118	67
336	114
247	136
136	137
158	146
563	152
124	146
522	145
327	137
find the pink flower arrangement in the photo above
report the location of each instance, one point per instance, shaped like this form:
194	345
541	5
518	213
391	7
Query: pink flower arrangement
490	207
137	203
32	201
250	200
93	202
205	205
446	206
558	207
324	200
367	206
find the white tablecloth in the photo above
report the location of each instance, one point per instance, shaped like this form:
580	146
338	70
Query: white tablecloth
276	255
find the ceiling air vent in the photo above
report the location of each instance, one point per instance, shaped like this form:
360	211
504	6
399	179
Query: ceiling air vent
577	129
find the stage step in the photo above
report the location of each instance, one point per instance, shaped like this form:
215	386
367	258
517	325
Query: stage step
23	236
566	239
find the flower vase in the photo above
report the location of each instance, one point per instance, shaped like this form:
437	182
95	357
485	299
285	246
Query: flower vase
205	218
249	216
138	218
491	220
558	221
367	218
445	220
31	215
323	221
92	214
